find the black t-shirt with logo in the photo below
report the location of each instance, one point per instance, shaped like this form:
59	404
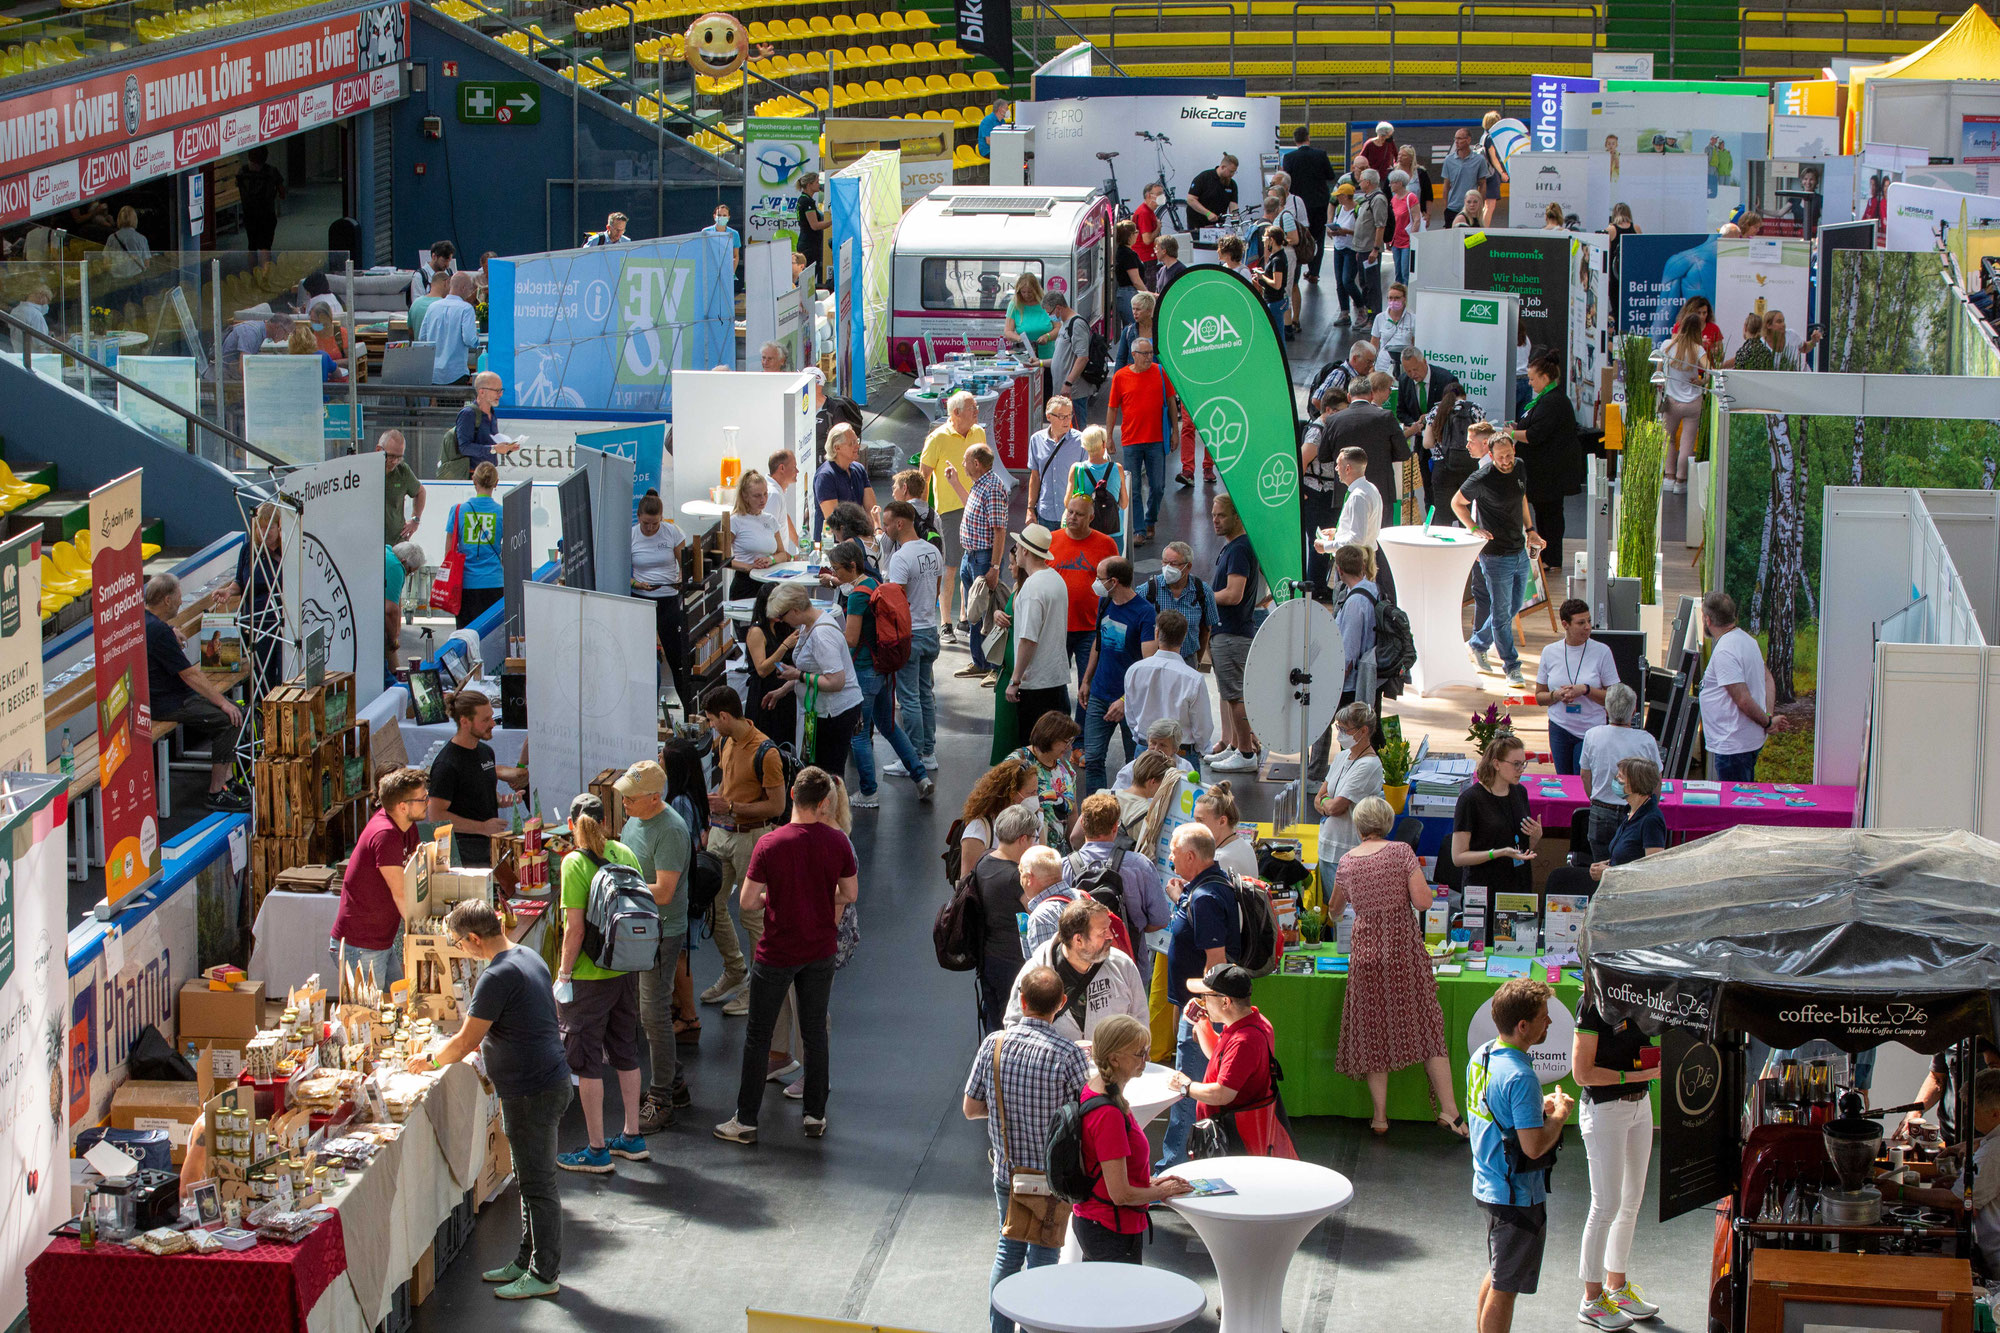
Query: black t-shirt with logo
467	781
1498	496
1213	193
1618	1047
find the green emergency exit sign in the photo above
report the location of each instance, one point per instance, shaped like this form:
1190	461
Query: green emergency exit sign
500	103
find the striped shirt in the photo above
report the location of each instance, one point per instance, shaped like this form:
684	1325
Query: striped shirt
1039	1071
985	513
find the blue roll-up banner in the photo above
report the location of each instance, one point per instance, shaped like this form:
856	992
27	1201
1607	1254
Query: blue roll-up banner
1658	272
645	444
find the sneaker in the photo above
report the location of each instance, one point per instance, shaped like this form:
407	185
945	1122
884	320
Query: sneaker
865	800
894	769
1480	659
735	1131
1344	318
1235	762
632	1147
656	1113
507	1274
682	1096
948	633
1185	479
815	1127
968	671
1515	678
926	787
796	1089
931	763
526	1287
1603	1313
779	1073
229	801
1632	1301
739	1004
593	1161
724	987
992	680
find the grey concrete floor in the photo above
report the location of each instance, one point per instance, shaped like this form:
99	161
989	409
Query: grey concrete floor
889	1220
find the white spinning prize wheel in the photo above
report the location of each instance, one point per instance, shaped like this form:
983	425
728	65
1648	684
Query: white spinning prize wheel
1292	680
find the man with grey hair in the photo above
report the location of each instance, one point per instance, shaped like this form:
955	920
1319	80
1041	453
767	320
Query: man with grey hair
944	451
841	478
452	329
182	692
244	339
399	484
1373	226
1617	738
771	359
1343	375
33	311
1071	354
1163	738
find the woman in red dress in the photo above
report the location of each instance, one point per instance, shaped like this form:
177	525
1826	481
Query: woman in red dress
1391	1017
1239	1086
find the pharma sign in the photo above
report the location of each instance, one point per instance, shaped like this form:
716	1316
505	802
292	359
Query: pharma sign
124	700
1228	367
1471	336
75	141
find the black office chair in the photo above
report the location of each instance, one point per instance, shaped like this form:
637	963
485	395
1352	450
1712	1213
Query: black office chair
1571	879
1579	838
1408	830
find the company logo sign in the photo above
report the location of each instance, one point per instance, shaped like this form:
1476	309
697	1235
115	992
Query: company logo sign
1545	108
1209	333
151	157
1884	1020
239	131
315	107
105	172
1218	117
55	187
197	143
351	94
1698	1081
1669	1004
1225	430
1474	311
279	118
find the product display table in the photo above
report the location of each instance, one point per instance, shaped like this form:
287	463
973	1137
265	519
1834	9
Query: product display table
792	571
1431	568
1737	803
1098	1298
291	932
1252	1233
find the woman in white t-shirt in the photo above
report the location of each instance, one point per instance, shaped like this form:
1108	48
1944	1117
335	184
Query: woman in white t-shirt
1354	774
656	576
756	534
1575	672
821	669
1685	363
1009	782
1234	849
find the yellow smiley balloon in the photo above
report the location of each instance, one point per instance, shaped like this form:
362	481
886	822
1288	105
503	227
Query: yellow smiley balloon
717	45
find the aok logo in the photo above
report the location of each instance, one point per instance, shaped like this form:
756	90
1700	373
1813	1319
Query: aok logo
1478	312
1209	333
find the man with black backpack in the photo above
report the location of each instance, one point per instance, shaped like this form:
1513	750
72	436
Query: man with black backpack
1206	931
1077	366
659	840
1122	880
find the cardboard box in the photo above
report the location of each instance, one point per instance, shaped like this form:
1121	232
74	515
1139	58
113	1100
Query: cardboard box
233	1014
225	1056
423	1276
174	1107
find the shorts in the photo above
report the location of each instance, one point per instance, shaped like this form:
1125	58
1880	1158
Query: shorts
601	1025
953	548
1515	1236
1229	652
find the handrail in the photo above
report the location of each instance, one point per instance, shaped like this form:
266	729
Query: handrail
1375	8
1159	8
1595	10
1036	8
1784	14
100	368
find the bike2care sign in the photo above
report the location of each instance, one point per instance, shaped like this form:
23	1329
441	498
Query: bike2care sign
124	703
1225	362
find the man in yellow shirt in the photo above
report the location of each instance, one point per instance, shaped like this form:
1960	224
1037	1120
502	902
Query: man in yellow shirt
959	431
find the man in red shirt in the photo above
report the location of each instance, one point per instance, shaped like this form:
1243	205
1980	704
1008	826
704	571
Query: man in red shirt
1075	552
1237	1086
373	897
1138	403
1146	217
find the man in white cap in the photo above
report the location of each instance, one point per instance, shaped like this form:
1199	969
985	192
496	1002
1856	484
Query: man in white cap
1040	622
659	838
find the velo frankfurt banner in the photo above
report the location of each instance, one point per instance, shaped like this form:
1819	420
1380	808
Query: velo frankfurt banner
1224	358
124	702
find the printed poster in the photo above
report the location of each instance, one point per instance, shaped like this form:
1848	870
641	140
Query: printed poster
124	702
1472	336
1979	139
1534	269
339	560
779	151
23	736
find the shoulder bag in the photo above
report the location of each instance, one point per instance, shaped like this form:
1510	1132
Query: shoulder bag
448	588
1034	1213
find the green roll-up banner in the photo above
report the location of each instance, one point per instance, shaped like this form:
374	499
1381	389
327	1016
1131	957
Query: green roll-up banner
1223	355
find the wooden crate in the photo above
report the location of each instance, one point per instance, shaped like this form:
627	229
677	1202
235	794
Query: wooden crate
614	811
346	765
298	720
270	857
288	803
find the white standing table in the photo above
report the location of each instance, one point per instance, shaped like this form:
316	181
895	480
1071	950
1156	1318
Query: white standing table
1431	569
1098	1298
1252	1233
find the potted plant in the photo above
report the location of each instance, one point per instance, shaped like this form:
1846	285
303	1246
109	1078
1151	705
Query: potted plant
1487	725
1395	756
1310	924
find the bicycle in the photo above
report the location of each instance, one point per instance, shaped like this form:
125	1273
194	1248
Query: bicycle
1171	210
1120	210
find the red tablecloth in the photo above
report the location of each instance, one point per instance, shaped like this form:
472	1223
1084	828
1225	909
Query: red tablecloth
1832	807
267	1288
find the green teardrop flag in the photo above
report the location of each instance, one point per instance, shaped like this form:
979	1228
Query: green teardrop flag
1223	355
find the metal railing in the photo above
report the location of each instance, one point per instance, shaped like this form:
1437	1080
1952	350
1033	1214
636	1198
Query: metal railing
1158	9
1037	55
1375	9
1570	7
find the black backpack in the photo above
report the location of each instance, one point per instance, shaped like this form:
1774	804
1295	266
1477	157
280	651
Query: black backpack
1096	360
1104	515
1395	645
1062	1157
959	933
788	761
1104	881
954	851
621	922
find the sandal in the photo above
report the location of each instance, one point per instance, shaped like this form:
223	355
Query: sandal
1380	1127
1456	1126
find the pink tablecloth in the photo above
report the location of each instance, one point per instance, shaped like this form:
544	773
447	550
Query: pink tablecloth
1832	807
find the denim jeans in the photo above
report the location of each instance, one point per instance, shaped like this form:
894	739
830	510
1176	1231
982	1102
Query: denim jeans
1147	463
1506	583
916	691
385	965
1180	1120
769	985
1403	263
1565	747
972	566
531	1123
1347	280
1723	767
878	704
1079	642
1097	742
656	1012
1604	822
1012	1256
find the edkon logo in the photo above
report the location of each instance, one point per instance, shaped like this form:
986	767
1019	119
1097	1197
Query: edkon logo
1478	312
1209	333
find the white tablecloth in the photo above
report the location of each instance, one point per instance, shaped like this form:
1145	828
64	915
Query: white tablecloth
393	705
1431	568
291	933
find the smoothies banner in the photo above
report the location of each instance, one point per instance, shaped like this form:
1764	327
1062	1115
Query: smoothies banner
23	735
124	704
34	1149
778	152
1229	368
1471	335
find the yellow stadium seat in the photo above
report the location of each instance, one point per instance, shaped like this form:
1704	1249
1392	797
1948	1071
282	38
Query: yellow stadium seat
901	52
54	580
916	20
949	49
926	51
30	490
820	99
756	31
816	62
961	82
878	55
843	23
819	26
843	96
856	56
962	156
867	23
891	21
970	116
872	91
798	28
985	81
72	563
936	85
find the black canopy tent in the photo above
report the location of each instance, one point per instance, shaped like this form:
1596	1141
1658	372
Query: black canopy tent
1855	937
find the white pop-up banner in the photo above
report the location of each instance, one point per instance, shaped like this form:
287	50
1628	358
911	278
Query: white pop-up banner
340	505
1471	335
593	688
1190	135
1762	274
1915	212
1579	183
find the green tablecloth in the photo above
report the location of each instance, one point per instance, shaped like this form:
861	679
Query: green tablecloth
1305	1014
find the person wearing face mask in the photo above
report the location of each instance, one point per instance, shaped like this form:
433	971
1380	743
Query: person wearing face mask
722	228
32	310
1394	329
1353	775
1605	746
1123	635
1177	588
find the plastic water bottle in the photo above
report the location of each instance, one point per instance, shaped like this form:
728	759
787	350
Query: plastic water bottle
813	565
68	755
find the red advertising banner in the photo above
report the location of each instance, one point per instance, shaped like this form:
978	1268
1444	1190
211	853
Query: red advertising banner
124	701
71	142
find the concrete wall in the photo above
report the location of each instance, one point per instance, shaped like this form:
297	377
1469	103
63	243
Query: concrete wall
89	446
483	186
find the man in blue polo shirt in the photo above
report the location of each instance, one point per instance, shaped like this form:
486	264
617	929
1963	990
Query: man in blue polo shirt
1504	1100
1205	931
